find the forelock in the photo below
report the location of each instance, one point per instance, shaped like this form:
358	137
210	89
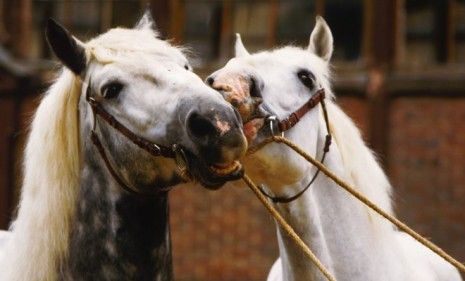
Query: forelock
119	43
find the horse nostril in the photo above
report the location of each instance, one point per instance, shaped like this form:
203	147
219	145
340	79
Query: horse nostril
200	127
235	102
210	81
254	88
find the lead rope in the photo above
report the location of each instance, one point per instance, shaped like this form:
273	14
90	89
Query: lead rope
361	198
288	229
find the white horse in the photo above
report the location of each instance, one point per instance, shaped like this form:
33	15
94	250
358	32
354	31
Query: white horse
99	158
352	241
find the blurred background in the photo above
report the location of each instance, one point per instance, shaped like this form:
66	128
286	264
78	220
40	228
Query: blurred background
399	68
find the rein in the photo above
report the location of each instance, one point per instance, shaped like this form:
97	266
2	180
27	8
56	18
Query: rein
288	123
359	196
156	150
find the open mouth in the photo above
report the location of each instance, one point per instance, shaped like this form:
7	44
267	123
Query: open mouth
212	176
226	169
252	128
255	126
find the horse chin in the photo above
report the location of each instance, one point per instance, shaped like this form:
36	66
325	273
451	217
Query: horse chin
212	176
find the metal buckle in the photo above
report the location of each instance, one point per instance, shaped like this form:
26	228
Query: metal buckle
158	147
273	119
92	100
181	162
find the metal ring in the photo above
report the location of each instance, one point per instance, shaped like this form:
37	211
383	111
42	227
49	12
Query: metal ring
181	162
272	119
157	147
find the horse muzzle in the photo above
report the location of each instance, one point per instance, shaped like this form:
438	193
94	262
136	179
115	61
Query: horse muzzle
215	129
243	92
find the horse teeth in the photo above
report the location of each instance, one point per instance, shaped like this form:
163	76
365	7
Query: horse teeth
227	169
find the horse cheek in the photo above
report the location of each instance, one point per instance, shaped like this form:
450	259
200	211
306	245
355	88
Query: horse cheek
269	171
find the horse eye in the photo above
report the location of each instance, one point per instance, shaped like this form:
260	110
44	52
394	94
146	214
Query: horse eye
111	90
186	67
306	78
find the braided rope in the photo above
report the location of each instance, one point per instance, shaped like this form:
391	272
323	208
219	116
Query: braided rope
288	229
368	203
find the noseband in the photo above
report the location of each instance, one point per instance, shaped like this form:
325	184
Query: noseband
289	122
156	150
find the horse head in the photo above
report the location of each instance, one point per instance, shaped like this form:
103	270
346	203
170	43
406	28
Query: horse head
148	86
277	83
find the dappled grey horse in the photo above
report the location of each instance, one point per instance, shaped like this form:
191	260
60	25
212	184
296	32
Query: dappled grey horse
124	122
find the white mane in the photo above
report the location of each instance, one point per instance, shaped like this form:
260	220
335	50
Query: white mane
50	187
122	43
52	162
360	162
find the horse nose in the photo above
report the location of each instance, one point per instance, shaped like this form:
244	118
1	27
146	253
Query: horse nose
217	132
249	85
210	80
243	92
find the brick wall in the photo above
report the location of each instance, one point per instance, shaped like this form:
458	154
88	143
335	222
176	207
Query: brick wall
226	235
427	160
221	235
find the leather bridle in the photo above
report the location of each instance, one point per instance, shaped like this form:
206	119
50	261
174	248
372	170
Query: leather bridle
290	121
157	150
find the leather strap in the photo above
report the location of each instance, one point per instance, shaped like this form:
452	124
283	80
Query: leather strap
150	147
118	179
295	116
290	122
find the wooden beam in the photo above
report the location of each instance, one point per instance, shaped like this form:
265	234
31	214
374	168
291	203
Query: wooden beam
381	44
106	15
444	30
178	14
273	23
320	7
4	36
8	107
23	28
367	30
161	13
226	30
67	8
450	30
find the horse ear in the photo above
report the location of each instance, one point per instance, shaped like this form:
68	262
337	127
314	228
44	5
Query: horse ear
240	50
68	49
146	21
321	40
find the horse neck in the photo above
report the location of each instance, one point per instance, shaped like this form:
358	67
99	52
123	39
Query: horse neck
334	225
117	236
